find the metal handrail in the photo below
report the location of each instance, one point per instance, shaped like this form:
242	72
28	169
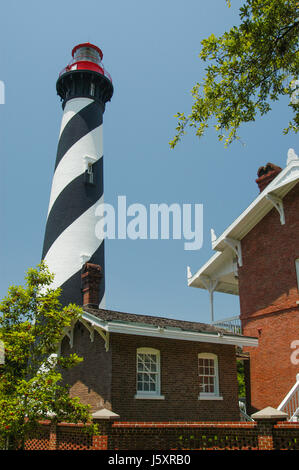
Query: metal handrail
233	324
290	404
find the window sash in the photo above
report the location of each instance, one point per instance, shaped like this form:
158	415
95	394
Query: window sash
207	375
147	372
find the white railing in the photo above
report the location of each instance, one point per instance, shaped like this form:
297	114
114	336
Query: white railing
290	404
232	324
243	414
69	67
245	418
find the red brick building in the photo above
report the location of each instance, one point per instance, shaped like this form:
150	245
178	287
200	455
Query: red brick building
147	368
258	259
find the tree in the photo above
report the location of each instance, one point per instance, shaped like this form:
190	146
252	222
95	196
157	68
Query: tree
31	326
251	65
241	378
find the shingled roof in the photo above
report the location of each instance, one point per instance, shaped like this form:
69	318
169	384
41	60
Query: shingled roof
111	315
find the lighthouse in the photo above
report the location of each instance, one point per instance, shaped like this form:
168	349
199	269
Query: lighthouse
70	241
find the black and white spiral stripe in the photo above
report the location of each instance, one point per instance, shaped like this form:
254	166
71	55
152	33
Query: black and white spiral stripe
70	238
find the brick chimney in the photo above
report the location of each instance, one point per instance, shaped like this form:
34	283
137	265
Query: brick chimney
91	278
266	174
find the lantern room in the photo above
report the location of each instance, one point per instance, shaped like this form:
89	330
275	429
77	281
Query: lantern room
87	56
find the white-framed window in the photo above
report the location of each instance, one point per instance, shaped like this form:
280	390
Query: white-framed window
208	377
88	163
90	172
148	373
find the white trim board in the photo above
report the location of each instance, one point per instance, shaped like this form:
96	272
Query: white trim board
130	328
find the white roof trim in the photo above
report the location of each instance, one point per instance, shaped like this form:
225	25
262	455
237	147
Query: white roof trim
215	267
130	328
221	267
280	186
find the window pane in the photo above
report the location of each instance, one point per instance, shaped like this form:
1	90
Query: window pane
147	372
206	372
152	387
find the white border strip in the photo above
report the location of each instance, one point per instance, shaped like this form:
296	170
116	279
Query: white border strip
158	332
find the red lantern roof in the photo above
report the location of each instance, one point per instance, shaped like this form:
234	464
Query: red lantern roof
87	44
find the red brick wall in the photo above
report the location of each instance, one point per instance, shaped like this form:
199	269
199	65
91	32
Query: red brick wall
179	381
167	436
184	436
268	294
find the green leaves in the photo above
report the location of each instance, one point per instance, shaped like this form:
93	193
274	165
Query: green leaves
248	67
32	323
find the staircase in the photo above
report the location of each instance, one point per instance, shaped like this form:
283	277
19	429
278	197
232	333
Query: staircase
290	404
243	415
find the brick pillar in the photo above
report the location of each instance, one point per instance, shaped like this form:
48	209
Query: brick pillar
101	441
266	419
91	278
53	437
104	419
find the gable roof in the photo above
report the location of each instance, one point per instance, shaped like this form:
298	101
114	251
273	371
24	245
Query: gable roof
222	265
146	325
259	208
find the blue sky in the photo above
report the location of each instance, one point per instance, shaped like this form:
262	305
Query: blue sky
151	50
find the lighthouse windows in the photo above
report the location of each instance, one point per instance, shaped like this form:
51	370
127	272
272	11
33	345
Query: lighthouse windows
88	169
89	173
92	89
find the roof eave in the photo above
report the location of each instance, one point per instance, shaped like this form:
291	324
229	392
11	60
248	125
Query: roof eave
280	185
159	332
212	267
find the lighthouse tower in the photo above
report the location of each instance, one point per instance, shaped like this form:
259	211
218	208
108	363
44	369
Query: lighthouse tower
77	187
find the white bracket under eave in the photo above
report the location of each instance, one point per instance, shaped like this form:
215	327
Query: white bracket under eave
104	335
213	237
235	245
89	327
278	204
69	332
210	285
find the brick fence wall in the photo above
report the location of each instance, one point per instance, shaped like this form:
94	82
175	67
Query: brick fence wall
261	435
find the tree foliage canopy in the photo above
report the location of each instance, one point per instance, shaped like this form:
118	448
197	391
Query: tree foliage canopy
250	66
32	324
